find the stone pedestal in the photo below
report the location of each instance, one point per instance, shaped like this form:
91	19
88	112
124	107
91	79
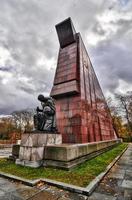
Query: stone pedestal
68	156
32	148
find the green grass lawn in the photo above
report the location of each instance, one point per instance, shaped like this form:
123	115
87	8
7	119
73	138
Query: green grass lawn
80	175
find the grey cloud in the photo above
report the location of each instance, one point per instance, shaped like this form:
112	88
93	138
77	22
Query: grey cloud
98	29
121	23
112	63
6	68
27	90
27	31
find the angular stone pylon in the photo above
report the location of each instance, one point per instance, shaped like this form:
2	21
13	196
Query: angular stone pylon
81	110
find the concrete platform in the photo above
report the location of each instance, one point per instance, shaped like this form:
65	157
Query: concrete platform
67	156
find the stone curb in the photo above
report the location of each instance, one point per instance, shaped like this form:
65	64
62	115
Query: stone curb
72	188
17	178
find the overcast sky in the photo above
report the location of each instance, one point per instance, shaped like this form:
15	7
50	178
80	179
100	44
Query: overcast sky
29	45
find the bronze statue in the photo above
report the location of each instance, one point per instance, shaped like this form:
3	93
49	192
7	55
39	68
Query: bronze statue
44	119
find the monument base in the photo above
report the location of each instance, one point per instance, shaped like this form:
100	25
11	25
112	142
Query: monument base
32	147
67	156
46	149
15	152
33	164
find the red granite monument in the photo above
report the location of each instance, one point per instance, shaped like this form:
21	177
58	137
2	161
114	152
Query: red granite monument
83	120
81	110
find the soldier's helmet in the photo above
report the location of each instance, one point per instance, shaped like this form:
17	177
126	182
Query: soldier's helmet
42	98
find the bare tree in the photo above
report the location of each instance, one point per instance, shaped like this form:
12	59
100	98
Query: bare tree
125	107
23	120
119	125
116	119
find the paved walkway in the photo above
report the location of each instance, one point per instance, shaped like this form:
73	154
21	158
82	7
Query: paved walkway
10	190
117	185
5	152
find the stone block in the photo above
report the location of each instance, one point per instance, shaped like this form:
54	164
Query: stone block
117	175
65	88
126	184
128	174
33	164
69	164
21	153
56	152
99	196
15	150
92	147
67	152
29	140
37	153
40	139
32	148
48	139
25	153
66	32
103	144
24	138
2	193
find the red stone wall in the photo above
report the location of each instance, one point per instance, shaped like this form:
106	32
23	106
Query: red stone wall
98	123
81	110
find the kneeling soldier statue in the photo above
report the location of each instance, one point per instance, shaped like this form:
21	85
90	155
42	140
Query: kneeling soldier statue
44	119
